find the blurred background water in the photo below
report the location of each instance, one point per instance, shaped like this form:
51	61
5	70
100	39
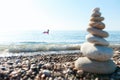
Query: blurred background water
36	41
55	37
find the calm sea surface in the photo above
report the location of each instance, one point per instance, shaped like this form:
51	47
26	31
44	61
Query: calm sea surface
55	37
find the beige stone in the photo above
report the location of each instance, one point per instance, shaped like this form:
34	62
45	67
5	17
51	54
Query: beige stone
96	14
96	18
96	52
98	32
99	25
96	40
88	65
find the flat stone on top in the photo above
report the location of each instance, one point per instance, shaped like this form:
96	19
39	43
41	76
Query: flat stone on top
96	9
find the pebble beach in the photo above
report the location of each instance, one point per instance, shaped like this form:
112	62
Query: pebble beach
51	67
59	40
96	59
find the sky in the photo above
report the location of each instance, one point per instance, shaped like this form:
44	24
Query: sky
19	15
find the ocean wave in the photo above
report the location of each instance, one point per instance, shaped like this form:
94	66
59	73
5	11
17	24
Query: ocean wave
8	54
18	48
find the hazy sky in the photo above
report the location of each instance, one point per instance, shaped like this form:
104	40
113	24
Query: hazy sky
17	15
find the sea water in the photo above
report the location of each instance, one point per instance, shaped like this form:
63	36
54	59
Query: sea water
35	37
36	42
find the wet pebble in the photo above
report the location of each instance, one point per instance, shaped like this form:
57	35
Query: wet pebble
40	67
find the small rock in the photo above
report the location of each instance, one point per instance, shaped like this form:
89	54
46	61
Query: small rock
98	32
97	19
98	25
46	73
96	9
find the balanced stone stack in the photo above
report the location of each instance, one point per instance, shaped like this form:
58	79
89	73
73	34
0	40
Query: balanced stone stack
97	54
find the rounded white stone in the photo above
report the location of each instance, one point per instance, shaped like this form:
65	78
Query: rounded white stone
97	32
93	66
96	52
96	40
96	9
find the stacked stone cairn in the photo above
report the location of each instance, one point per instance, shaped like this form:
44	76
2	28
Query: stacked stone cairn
97	54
